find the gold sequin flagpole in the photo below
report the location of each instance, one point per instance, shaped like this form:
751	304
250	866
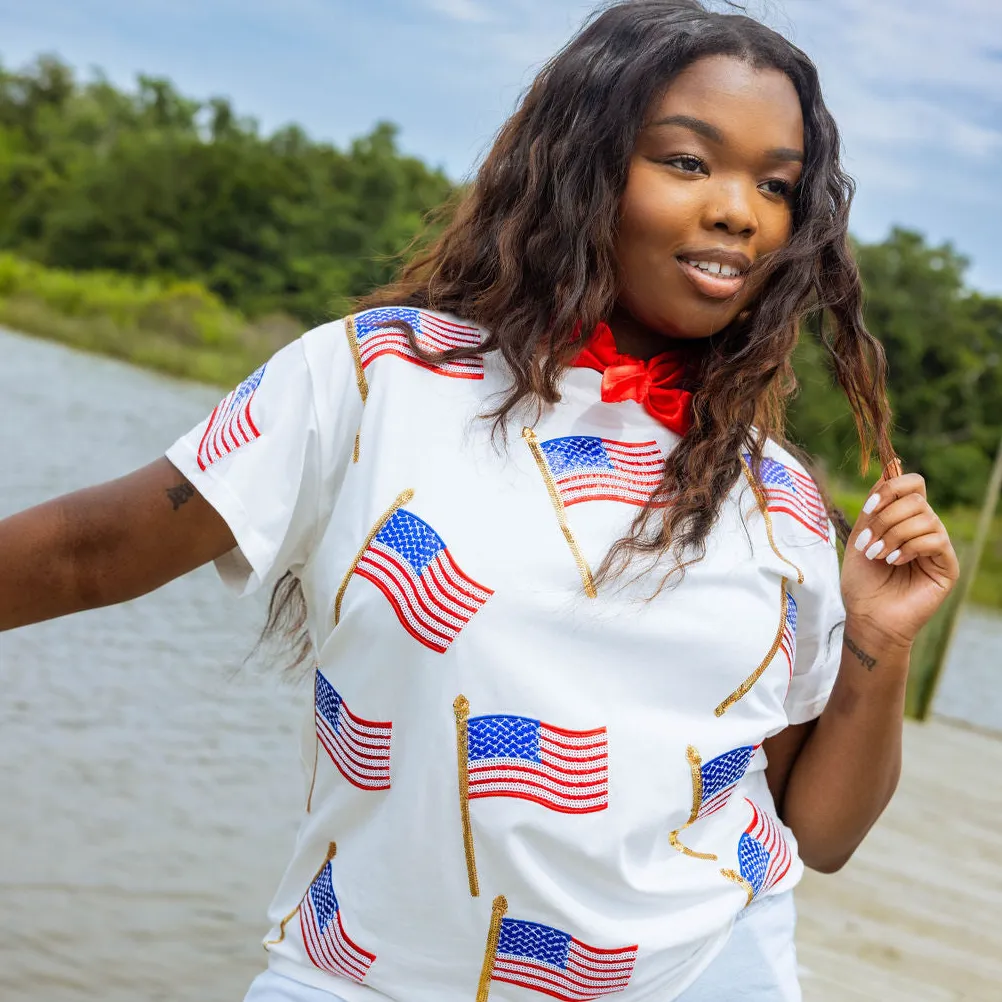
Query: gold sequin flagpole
402	498
763	507
745	687
461	707
316	744
696	765
360	380
331	853
558	509
498	910
736	878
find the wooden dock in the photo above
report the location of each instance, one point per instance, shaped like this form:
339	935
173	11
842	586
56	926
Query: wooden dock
916	915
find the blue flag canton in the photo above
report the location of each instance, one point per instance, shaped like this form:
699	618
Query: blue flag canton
413	538
791	613
725	770
374	321
753	859
503	736
328	701
534	941
249	385
772	473
323	898
574	453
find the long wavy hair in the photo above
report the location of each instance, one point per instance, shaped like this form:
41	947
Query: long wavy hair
529	254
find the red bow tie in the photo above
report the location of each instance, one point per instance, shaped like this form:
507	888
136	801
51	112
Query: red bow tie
654	383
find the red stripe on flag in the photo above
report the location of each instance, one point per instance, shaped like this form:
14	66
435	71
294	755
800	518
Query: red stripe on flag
434	606
364	763
333	951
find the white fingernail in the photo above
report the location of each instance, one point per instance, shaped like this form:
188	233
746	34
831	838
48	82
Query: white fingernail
871	502
875	549
862	539
891	557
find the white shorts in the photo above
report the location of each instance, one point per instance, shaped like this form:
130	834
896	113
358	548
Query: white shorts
758	964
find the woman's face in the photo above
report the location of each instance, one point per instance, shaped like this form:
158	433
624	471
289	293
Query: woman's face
710	190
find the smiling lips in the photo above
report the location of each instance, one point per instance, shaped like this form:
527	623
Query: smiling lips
717	274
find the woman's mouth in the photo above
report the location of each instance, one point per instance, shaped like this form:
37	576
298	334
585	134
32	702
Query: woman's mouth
713	278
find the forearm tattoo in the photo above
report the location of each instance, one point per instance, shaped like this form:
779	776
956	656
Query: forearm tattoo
181	493
866	660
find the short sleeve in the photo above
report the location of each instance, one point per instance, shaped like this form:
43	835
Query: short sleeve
820	618
271	456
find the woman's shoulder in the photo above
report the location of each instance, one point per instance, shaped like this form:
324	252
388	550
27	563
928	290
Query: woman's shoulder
791	493
408	333
419	318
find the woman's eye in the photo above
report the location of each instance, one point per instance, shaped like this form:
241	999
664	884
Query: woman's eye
778	187
689	164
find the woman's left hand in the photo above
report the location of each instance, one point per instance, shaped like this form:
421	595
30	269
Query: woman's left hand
897	598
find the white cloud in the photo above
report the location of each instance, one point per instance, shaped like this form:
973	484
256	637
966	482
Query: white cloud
907	77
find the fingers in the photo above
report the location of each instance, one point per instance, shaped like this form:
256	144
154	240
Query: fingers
936	547
875	528
890	545
885	492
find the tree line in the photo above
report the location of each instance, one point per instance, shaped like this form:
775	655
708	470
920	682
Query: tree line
153	184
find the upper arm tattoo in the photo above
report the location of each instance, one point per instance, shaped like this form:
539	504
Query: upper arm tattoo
180	493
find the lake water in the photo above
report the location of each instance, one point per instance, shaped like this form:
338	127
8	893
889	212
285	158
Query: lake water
149	779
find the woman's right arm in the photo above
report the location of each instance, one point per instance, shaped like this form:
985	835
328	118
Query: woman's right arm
105	544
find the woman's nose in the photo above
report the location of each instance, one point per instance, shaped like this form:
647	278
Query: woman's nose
730	210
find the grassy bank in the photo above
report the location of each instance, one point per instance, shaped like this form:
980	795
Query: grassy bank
175	327
182	329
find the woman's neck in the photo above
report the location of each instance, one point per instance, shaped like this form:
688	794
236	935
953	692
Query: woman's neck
637	339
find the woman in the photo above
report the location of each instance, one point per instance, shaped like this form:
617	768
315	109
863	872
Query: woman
589	690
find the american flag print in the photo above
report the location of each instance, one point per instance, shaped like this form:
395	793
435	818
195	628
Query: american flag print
566	771
589	468
719	777
764	856
328	945
544	959
788	641
231	425
360	749
411	565
789	492
373	339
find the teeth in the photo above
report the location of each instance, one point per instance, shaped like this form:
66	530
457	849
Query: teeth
715	268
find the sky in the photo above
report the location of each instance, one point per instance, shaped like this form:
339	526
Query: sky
915	85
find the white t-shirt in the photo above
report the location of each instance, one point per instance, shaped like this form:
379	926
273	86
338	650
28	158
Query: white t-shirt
513	788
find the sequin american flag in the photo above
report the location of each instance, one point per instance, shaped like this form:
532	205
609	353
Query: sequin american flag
589	468
411	565
719	776
547	960
231	425
511	756
360	749
328	945
763	853
432	333
790	492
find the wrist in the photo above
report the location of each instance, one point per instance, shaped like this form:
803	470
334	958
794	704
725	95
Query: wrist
874	640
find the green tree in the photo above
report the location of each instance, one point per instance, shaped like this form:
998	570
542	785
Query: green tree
943	346
153	183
